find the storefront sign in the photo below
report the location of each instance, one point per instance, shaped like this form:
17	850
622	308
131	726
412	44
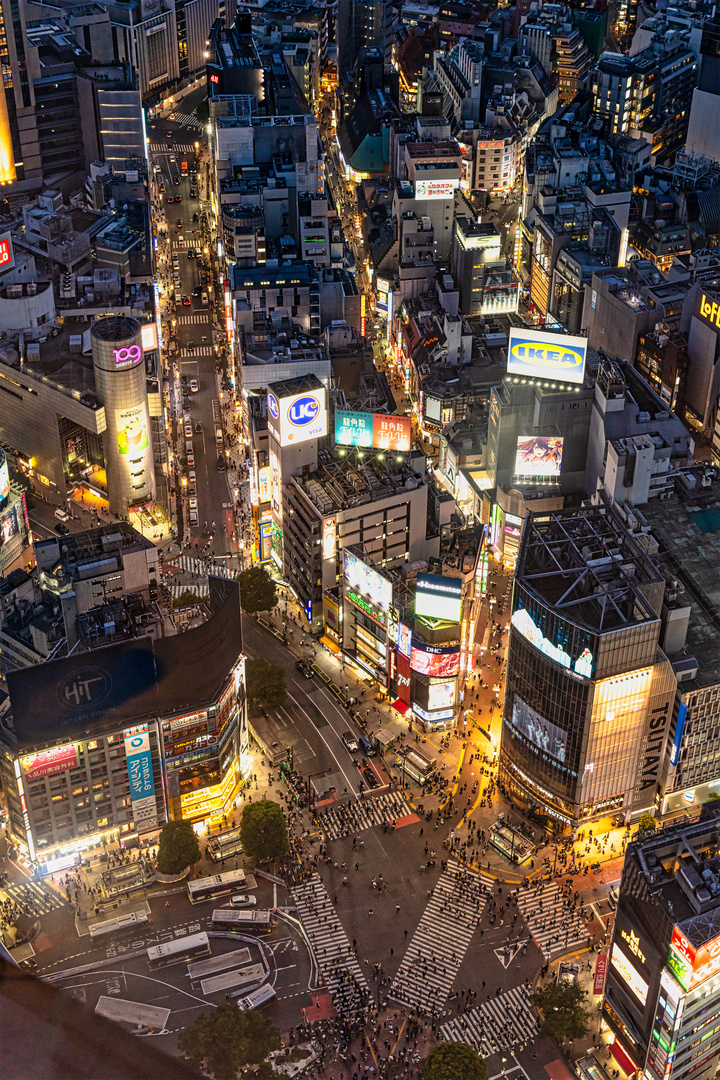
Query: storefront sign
140	775
707	308
403	678
128	356
375	613
50	762
600	971
629	974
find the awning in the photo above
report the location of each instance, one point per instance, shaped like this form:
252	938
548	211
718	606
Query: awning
330	644
385	736
623	1059
401	707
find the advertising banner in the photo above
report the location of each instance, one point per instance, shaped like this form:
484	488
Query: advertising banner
50	762
441	695
264	483
367	581
353	428
600	971
132	430
434	661
299	418
403	678
629	973
539	355
4	477
404	640
140	776
436	189
438	597
707	309
7	255
383	431
538	455
9	525
391	432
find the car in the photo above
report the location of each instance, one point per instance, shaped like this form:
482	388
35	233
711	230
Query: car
192	503
193	193
168	134
198	428
243	900
196	216
350	742
187	431
183	380
194	387
370	777
178	198
193	519
170	199
191	253
179	221
62	530
305	669
191	476
186	303
176	179
197	290
221	466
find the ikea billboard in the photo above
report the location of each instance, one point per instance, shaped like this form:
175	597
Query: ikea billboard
539	355
300	418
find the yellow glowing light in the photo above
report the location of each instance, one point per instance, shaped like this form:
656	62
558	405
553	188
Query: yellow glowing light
7	158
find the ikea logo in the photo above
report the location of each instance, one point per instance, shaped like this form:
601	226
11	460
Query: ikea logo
546	356
303	411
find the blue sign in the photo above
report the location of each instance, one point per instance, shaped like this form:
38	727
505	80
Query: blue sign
303	411
679	729
353	428
140	775
539	355
273	406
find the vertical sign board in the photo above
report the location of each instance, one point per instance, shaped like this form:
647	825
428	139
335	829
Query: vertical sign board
142	786
600	969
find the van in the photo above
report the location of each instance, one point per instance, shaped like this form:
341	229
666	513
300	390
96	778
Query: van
193	519
61	514
204	298
366	746
257	999
188	446
219	437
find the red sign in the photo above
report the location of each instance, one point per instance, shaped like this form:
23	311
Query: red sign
49	762
600	970
435	662
683	946
704	961
391	432
215	79
403	678
7	258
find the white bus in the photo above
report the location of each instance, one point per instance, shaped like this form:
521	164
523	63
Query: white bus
254	922
204	968
177	952
206	888
244	978
118	925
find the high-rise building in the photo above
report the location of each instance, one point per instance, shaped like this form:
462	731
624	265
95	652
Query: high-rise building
703	135
662	995
588	694
362	24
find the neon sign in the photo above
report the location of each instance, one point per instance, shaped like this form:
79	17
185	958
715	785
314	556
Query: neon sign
127	356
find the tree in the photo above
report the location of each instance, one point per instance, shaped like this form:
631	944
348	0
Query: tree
647	822
263	830
265	683
178	847
562	1006
453	1061
228	1040
257	590
203	111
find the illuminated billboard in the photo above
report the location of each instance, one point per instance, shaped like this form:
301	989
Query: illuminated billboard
383	431
264	483
438	597
50	762
548	737
9	525
404	640
539	355
132	430
299	418
7	255
367	581
707	308
690	965
432	660
629	974
4	476
149	336
538	455
441	695
436	189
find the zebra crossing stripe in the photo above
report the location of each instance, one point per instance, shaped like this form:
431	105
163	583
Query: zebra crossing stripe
498	1024
336	962
199	350
34	895
554	929
344	818
170	148
438	947
200	589
192	565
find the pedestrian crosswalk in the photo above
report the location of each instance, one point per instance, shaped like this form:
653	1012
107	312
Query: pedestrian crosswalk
34	897
556	926
196	317
441	940
200	567
334	957
199	350
201	589
186	119
171	148
342	819
498	1024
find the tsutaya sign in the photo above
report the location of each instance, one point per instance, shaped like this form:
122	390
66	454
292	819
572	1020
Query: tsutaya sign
707	308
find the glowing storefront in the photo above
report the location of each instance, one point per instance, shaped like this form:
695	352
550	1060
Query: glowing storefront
108	745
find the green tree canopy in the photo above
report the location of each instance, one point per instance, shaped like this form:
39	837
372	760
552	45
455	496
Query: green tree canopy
263	830
453	1061
228	1040
647	822
203	111
178	847
265	683
562	1006
257	590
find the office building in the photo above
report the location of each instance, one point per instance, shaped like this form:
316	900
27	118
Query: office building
362	25
588	694
703	136
105	746
662	994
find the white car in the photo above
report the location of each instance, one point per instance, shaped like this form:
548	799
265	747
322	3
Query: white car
243	901
193	504
194	387
191	476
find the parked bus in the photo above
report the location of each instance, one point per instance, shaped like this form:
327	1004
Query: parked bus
245	978
415	765
208	887
225	846
179	951
266	738
118	925
253	922
204	968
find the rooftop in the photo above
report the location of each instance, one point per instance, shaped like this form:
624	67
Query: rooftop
351	479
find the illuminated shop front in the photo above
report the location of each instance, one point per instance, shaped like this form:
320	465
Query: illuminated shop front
152	730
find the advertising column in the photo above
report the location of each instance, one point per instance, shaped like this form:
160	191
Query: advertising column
120	379
140	775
